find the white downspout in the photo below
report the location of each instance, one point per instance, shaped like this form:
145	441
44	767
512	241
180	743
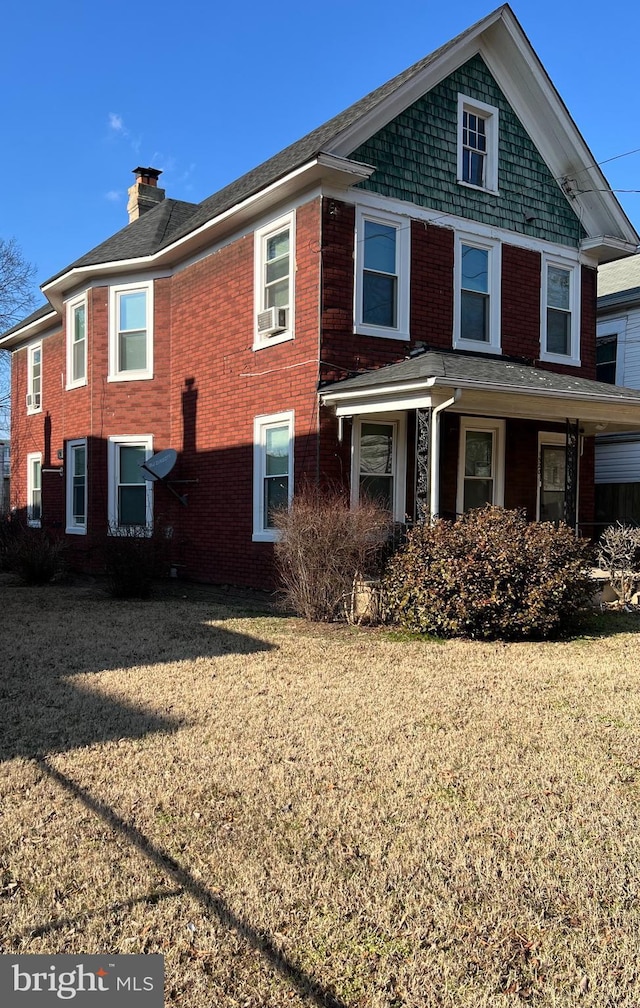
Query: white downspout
434	452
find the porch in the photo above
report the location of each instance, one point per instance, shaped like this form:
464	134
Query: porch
439	433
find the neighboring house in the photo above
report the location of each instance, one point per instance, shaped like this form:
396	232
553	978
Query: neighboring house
5	475
617	466
404	301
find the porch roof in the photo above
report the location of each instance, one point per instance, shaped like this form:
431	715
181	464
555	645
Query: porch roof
487	386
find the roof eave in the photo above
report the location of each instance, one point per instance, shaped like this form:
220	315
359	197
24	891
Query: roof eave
30	331
479	396
324	169
605	248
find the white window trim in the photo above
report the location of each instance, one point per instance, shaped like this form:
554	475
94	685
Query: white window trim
260	425
573	267
140	440
71	527
31	458
615	327
71	308
494	248
142	373
492	117
399	460
260	239
402	226
497	428
30	399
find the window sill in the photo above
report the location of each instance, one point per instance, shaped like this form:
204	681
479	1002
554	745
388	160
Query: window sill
362	329
76	384
565	359
477	346
75	531
270	535
130	376
269	341
476	188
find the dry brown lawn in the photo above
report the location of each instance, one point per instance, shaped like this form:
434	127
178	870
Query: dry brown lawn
299	815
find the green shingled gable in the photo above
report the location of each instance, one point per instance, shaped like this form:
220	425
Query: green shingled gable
415	158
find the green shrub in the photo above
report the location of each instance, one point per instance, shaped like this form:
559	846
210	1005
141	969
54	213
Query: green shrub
33	555
489	574
326	547
133	559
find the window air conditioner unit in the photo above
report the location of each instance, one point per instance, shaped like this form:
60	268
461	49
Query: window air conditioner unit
33	401
272	320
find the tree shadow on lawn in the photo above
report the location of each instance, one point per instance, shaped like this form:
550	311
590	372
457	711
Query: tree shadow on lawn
49	652
45	709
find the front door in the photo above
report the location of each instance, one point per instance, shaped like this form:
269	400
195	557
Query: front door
553	469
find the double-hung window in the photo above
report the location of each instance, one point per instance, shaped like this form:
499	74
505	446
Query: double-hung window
383	243
131	332
560	339
274	282
610	352
477	144
379	463
130	494
34	378
34	489
477	273
76	474
272	471
481	463
77	342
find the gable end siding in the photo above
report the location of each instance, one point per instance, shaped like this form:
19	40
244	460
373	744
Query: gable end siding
416	161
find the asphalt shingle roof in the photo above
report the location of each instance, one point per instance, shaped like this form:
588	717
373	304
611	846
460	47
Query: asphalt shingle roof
173	219
480	371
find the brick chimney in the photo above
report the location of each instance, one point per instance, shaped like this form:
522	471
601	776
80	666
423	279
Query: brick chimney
144	194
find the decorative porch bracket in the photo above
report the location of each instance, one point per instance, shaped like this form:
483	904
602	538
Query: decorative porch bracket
423	462
571	484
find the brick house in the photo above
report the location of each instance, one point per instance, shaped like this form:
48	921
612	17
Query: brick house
403	301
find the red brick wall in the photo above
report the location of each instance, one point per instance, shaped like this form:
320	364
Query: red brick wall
520	307
208	385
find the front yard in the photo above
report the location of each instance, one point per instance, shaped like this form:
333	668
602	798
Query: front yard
300	815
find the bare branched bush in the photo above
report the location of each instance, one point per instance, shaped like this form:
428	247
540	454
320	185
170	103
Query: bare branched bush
326	548
32	554
133	559
619	555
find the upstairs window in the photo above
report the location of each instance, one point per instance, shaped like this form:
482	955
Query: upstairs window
131	332
274	287
606	358
34	378
477	144
477	322
77	343
382	275
560	340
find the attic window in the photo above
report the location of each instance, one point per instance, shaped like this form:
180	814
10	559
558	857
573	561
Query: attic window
477	144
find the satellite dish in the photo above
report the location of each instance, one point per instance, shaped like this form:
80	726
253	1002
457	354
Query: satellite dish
160	464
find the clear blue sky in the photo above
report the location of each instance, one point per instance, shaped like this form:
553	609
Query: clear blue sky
207	90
